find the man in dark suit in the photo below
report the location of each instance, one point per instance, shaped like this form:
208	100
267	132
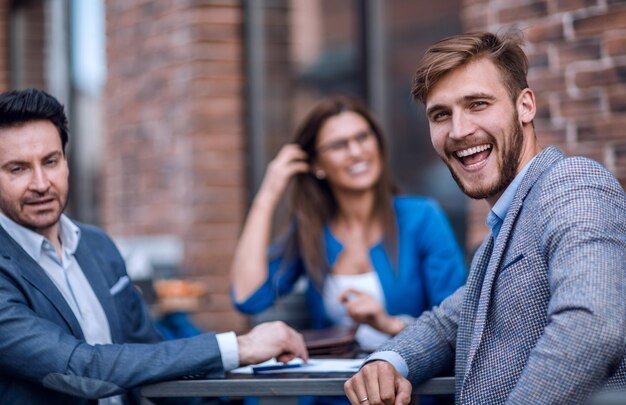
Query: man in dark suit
542	318
73	327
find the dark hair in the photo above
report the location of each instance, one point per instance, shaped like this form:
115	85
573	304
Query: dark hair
18	107
312	202
453	52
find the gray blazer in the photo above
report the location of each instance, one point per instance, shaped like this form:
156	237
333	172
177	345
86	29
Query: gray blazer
542	318
43	356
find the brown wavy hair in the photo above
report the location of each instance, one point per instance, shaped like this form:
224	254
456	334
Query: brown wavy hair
312	202
453	52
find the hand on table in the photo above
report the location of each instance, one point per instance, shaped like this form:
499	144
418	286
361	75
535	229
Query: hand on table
376	383
363	308
268	340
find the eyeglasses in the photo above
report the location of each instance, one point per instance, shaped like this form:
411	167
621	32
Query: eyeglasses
343	145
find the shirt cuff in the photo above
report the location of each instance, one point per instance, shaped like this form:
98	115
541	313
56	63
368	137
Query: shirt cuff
391	357
227	343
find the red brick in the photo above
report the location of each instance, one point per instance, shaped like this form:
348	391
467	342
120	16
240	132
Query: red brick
217	15
601	77
217	69
216	33
546	80
550	136
210	194
216	51
602	130
578	51
199	3
619	155
592	150
617	98
543	31
580	106
538	58
599	24
571	5
532	10
616	46
176	130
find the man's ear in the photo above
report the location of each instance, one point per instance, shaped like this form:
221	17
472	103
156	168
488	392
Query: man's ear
526	106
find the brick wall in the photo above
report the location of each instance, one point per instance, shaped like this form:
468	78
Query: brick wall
577	53
4	45
31	43
174	145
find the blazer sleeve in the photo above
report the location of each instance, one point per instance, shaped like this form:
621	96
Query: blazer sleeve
582	215
428	345
39	350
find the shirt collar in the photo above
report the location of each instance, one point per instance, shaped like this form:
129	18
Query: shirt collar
69	234
501	207
32	242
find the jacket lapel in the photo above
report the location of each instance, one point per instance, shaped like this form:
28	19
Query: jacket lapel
470	303
36	276
542	162
94	271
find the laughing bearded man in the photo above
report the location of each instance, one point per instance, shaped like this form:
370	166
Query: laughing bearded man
542	318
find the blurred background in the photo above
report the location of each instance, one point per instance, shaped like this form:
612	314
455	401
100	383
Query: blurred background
176	106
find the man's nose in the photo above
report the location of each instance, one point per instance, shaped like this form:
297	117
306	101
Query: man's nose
462	126
39	181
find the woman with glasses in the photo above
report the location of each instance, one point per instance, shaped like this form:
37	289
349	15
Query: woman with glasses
373	258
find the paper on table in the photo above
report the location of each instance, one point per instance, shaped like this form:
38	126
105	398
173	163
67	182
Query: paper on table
313	366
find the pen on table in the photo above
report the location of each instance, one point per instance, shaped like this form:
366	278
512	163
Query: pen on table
272	367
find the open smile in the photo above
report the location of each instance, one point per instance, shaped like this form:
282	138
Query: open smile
358	168
474	157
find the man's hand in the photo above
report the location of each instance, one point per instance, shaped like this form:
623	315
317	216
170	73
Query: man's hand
376	383
268	340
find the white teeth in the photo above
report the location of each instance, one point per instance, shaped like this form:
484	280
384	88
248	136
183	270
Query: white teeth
358	168
472	150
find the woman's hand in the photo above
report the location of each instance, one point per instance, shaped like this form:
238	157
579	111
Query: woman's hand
290	160
363	308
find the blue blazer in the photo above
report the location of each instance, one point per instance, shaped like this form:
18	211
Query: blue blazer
429	266
542	318
43	355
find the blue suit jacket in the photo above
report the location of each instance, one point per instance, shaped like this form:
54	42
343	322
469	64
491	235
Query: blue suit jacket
43	355
542	318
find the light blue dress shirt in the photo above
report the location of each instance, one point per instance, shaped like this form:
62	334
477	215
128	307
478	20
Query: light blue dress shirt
498	212
494	221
